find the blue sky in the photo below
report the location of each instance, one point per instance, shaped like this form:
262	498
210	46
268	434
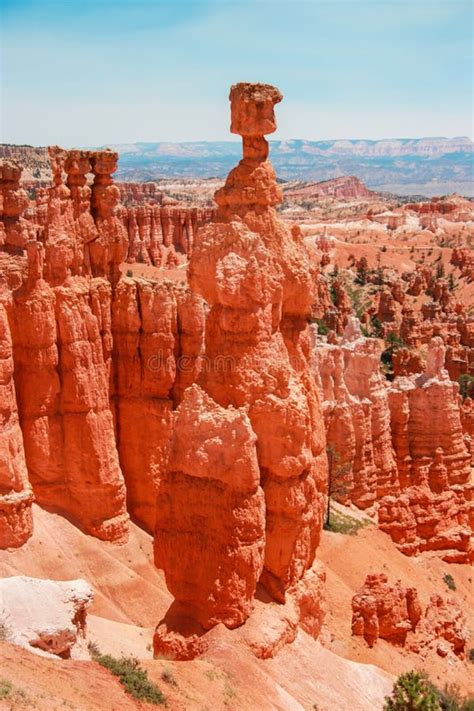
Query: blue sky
91	72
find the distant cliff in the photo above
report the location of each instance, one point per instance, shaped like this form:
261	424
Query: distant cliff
429	166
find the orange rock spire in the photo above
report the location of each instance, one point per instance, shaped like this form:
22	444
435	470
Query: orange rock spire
256	276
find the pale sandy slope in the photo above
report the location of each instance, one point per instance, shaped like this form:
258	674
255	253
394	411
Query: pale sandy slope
131	597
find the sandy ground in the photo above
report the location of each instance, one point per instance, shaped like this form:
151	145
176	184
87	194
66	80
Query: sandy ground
337	673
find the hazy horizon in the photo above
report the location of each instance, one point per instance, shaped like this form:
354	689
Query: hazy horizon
97	72
238	140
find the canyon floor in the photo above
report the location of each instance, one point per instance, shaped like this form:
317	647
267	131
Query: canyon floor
131	595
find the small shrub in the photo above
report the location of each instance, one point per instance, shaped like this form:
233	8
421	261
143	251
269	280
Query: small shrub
451	699
471	655
229	694
4	629
129	273
14	694
449	580
362	271
323	330
132	677
6	689
94	650
168	678
413	690
376	326
466	385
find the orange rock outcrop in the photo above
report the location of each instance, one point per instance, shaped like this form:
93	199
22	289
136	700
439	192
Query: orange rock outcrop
94	354
362	466
443	627
384	611
61	332
256	276
16	497
381	610
434	510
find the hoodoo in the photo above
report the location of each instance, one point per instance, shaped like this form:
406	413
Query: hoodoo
223	528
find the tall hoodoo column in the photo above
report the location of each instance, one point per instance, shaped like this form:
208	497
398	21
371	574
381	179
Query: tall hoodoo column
13	203
16	497
256	276
109	248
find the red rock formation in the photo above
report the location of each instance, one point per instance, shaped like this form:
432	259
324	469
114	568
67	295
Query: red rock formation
464	259
410	399
443	628
389	312
384	611
257	279
391	612
14	201
392	219
109	248
357	418
16	524
336	319
139	193
60	325
213	477
407	362
346	187
158	331
467	422
434	509
157	235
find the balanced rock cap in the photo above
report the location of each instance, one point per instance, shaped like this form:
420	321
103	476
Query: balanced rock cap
252	108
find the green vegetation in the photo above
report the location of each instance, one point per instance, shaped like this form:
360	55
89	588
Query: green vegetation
323	330
338	483
129	273
451	699
132	677
440	272
413	691
471	655
229	694
466	385
359	302
12	693
342	523
4	630
6	688
362	271
449	580
168	678
394	343
376	327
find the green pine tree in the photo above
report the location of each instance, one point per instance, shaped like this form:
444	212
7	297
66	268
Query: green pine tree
413	692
